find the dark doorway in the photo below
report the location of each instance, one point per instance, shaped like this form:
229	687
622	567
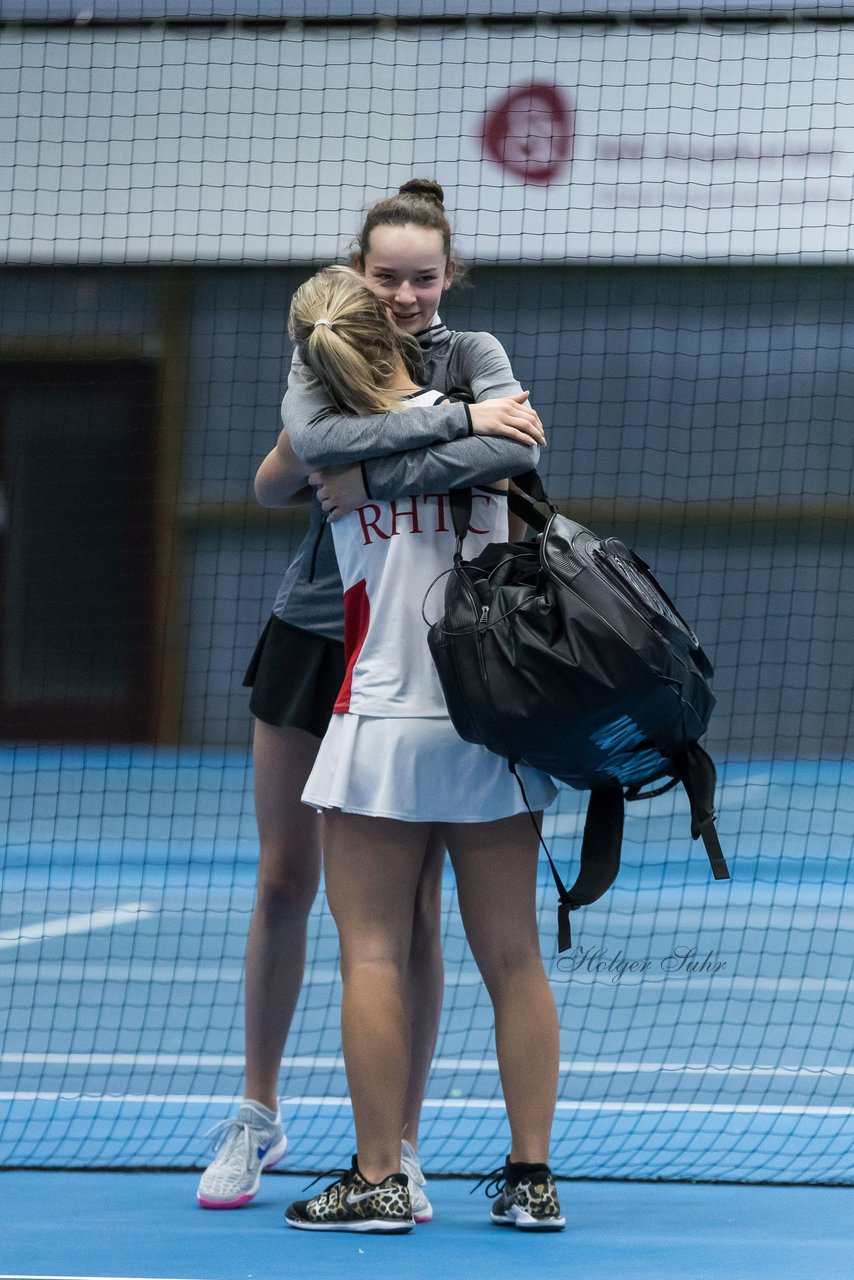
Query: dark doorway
77	533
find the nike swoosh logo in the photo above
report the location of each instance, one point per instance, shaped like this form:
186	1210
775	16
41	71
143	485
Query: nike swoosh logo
353	1198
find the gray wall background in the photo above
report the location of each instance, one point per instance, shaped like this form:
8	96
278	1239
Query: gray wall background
703	414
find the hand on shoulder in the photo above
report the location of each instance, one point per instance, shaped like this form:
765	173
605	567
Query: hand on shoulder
508	416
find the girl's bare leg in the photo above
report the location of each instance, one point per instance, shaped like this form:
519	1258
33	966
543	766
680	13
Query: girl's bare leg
288	876
424	984
495	865
372	868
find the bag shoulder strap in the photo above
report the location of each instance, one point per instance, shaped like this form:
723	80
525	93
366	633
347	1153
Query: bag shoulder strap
699	776
601	844
600	854
528	481
531	483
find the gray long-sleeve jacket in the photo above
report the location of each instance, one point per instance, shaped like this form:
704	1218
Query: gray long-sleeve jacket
427	450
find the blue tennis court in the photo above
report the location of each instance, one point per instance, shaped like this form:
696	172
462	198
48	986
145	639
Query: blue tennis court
147	1226
706	1027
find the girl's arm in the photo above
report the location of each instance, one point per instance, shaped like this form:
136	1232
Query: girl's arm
435	469
281	478
479	367
323	437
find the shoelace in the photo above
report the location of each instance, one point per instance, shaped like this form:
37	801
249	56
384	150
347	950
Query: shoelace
338	1174
222	1129
495	1183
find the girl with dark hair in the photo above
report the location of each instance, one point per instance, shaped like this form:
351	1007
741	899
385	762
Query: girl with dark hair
406	258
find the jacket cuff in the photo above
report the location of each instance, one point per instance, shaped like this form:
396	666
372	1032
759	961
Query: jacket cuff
364	469
468	419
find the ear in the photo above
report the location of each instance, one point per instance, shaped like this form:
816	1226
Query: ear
450	273
357	262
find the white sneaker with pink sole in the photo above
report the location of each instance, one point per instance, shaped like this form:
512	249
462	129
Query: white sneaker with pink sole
245	1146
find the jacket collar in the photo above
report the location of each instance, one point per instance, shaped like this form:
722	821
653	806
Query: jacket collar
436	336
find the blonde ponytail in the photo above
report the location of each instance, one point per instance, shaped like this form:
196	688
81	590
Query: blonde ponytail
349	341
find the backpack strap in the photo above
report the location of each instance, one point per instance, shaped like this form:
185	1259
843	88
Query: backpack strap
564	936
601	846
600	854
698	775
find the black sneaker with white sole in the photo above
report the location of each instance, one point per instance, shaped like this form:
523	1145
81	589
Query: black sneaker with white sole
527	1198
354	1204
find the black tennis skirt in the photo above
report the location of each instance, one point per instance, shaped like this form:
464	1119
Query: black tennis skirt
295	677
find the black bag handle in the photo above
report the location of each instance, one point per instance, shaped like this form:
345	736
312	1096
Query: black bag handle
461	515
531	483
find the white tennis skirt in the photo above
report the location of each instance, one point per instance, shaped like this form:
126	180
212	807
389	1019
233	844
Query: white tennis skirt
417	770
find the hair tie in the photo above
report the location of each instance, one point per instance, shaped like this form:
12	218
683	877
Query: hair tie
328	323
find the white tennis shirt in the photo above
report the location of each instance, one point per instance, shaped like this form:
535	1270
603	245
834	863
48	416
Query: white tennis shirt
389	555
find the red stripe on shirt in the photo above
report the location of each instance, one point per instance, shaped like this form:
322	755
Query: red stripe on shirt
357	615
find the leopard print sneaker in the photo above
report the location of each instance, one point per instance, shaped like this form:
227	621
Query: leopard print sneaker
527	1198
354	1204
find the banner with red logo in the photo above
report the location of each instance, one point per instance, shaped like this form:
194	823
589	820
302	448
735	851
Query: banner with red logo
421	10
655	146
580	144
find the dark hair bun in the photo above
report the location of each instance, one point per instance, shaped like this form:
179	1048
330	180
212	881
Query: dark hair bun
426	187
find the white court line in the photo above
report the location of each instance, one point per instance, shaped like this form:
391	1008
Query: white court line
436	1104
109	918
142	971
480	1065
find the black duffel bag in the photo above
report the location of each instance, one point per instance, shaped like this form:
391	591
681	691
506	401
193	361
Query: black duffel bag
566	654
